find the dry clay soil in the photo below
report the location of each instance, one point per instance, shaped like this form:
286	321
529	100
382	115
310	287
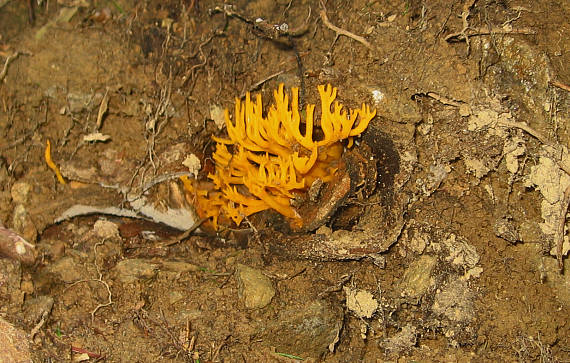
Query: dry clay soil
448	253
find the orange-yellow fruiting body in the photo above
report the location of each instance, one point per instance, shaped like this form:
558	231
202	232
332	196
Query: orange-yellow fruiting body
271	158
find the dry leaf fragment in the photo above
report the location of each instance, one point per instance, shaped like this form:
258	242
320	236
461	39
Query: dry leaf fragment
96	137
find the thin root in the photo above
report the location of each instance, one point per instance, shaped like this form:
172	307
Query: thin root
334	28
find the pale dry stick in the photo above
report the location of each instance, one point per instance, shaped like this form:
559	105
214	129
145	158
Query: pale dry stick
39	325
103	107
7	63
219	348
259	83
529	130
190	74
444	100
151	125
560	85
185	234
334	28
560	231
269	30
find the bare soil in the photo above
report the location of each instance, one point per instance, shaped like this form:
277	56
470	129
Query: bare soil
451	257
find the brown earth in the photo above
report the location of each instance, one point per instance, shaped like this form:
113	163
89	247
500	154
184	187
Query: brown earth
447	253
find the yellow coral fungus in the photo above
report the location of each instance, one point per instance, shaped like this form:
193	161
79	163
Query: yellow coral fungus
51	164
274	156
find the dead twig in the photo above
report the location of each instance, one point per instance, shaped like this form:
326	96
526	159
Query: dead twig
186	234
340	31
540	137
560	232
259	83
219	348
39	325
103	107
152	125
560	85
269	30
464	35
192	72
9	60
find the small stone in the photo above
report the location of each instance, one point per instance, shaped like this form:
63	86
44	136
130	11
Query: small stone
308	330
418	278
20	192
23	224
35	308
129	271
464	110
217	114
106	229
254	288
505	229
192	163
66	269
361	302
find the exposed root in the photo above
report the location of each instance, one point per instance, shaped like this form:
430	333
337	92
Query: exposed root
100	280
560	85
340	31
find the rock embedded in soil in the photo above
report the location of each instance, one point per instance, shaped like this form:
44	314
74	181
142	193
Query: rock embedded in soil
36	307
129	271
20	192
254	288
418	278
306	331
23	224
67	270
14	344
